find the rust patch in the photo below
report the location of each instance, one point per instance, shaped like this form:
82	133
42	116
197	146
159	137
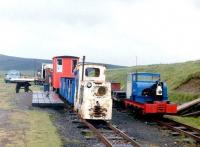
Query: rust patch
99	111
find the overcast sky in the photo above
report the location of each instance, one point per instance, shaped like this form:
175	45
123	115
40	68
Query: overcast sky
108	31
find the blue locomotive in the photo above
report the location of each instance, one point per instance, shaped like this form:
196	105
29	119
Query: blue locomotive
146	92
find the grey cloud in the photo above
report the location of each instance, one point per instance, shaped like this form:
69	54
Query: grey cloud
76	12
69	18
197	3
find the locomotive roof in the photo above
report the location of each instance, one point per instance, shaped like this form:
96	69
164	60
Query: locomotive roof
65	57
88	63
145	73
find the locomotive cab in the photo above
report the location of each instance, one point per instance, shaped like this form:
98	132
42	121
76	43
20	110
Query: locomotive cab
63	67
146	88
93	93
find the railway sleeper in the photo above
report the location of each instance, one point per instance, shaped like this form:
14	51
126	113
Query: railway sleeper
76	121
106	131
181	128
194	133
174	133
90	137
86	131
82	126
114	138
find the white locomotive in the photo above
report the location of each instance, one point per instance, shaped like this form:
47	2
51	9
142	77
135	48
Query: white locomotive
93	94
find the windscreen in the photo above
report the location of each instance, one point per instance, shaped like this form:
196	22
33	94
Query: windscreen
13	72
149	78
92	72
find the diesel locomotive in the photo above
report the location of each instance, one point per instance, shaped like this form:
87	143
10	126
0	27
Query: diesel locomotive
147	94
93	94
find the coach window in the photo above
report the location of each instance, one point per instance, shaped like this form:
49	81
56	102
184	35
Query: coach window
92	72
59	61
74	63
59	65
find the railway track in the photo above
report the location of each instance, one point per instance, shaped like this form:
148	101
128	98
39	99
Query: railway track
110	135
181	128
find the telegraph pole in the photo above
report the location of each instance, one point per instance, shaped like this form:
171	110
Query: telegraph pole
83	68
136	61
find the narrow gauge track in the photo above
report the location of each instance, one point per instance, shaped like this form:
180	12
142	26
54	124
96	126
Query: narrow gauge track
110	135
181	128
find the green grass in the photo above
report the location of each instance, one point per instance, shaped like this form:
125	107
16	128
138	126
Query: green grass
173	74
21	127
182	97
6	96
191	121
41	131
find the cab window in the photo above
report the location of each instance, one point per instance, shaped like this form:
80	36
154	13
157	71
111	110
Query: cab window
74	63
59	61
150	78
92	72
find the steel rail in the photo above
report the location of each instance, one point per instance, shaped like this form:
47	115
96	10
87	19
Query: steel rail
181	128
122	134
178	123
98	133
104	139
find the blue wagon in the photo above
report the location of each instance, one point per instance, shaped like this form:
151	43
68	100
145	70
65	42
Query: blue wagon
67	89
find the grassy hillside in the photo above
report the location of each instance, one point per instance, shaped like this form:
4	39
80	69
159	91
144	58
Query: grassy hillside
175	75
9	63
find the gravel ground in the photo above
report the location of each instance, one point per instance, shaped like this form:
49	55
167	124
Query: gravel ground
70	130
146	134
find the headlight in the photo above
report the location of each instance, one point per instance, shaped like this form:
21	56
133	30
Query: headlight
160	92
101	91
89	85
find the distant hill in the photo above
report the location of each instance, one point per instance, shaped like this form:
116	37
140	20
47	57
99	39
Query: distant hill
110	66
9	63
23	64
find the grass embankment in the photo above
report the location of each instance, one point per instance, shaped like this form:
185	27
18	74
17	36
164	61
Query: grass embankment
21	127
195	122
175	76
